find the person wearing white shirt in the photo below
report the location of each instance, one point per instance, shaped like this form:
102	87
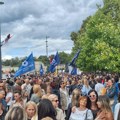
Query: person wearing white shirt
99	86
117	111
9	97
81	112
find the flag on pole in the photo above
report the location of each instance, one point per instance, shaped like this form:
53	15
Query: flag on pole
74	71
72	63
27	66
41	70
54	63
6	40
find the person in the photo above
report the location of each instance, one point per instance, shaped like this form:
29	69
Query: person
2	85
64	96
86	87
48	92
16	86
92	82
2	112
105	112
36	96
117	110
82	112
2	100
9	96
74	101
111	93
54	99
46	109
18	101
72	86
16	113
92	102
25	96
99	86
26	86
79	84
47	118
31	110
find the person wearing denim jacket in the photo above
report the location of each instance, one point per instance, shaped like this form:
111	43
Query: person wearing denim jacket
111	93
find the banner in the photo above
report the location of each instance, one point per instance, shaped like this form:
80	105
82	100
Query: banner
54	63
27	66
74	71
72	63
41	70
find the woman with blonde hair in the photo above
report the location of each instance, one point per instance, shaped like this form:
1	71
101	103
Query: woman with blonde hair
54	99
16	113
48	92
86	87
31	110
105	112
37	94
74	101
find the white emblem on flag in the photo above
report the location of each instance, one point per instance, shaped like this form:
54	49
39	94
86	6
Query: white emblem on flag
25	63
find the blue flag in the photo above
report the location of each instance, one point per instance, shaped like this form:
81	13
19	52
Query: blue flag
27	65
54	63
41	70
74	71
72	63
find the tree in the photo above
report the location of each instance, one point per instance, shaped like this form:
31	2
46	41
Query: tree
44	59
99	38
64	57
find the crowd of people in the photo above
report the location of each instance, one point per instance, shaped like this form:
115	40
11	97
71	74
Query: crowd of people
60	97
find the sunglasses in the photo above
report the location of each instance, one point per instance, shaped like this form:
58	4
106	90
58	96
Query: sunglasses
56	100
92	96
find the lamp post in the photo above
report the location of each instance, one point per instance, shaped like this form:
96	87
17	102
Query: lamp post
1	3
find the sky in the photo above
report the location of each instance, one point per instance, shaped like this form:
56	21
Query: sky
30	21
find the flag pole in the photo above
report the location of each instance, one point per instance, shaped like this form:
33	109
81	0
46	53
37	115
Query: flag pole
1	3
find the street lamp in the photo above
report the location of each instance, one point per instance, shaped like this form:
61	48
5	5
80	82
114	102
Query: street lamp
1	3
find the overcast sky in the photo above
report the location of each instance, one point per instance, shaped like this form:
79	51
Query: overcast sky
30	21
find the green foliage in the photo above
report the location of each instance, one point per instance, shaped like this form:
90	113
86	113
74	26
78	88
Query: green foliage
13	62
99	38
44	60
64	57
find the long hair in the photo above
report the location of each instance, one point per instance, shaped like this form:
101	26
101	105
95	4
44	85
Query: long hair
75	97
85	82
89	101
105	102
16	113
46	109
35	117
37	90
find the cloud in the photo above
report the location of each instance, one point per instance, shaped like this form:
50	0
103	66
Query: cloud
31	21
